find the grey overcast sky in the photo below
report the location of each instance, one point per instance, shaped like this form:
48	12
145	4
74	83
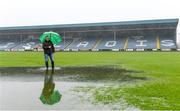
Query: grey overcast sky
45	12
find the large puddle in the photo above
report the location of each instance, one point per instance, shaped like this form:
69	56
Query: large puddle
21	87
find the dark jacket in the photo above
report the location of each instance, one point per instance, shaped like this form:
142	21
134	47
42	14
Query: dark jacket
48	47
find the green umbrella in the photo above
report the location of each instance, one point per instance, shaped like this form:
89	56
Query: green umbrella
52	99
53	36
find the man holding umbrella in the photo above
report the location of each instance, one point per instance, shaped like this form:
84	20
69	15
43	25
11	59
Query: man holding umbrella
48	39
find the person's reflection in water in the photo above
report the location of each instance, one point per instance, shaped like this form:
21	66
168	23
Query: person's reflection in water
49	95
49	85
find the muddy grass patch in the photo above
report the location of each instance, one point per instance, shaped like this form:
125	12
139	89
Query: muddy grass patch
83	74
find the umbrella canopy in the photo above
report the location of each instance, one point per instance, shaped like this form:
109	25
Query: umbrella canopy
52	99
54	37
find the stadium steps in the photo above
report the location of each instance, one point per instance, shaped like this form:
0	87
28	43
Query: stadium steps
72	43
158	42
67	47
15	46
96	43
126	43
68	44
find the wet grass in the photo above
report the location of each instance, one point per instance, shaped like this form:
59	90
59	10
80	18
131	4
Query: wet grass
147	96
161	96
160	89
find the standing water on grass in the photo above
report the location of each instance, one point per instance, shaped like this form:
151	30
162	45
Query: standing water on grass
37	89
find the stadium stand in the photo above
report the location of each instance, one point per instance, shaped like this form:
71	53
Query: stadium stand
83	43
109	42
8	42
64	44
133	35
142	42
27	44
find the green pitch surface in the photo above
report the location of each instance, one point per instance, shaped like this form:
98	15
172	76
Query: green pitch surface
161	90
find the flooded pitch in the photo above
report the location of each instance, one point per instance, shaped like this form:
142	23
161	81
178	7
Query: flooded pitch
21	87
